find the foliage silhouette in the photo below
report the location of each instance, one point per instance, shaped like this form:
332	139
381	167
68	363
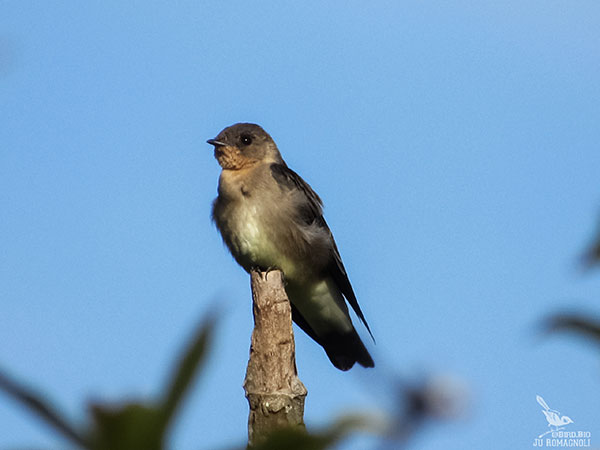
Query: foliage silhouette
128	426
576	322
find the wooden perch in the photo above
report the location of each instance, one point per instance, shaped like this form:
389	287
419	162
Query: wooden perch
274	391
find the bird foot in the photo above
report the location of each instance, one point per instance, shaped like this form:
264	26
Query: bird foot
269	269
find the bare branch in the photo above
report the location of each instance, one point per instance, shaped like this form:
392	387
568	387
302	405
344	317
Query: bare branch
274	391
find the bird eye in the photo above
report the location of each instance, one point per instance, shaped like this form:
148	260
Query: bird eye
246	139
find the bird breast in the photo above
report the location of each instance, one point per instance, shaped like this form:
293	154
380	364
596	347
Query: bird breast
251	220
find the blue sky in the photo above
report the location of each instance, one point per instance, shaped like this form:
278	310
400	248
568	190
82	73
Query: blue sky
455	145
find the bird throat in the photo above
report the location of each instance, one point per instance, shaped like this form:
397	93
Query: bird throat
230	158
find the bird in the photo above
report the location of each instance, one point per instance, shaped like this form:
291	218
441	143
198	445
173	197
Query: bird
552	416
270	218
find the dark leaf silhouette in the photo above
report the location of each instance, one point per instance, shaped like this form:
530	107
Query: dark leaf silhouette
591	257
38	405
125	426
133	426
577	323
297	439
190	363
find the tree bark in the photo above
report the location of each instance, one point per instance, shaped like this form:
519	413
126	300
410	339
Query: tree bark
274	391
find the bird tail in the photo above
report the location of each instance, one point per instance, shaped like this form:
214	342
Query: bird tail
541	401
344	350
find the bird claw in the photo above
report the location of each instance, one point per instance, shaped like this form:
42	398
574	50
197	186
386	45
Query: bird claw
269	269
266	271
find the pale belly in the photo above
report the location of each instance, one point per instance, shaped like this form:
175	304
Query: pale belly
321	304
254	242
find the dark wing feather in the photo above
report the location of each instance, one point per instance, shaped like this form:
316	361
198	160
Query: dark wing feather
312	209
303	324
338	272
343	350
311	212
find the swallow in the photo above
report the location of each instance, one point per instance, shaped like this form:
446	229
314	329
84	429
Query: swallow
554	418
270	218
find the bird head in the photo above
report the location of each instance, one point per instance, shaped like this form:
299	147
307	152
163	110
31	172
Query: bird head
243	145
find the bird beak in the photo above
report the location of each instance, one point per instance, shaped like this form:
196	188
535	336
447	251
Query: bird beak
216	143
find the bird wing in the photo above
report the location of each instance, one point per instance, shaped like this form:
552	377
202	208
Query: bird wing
552	418
311	209
311	212
339	275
